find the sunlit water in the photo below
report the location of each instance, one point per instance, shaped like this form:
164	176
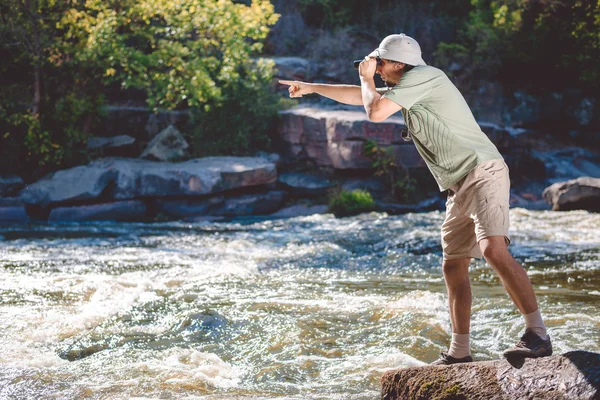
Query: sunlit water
306	308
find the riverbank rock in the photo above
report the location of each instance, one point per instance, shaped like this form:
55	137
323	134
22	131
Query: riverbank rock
573	375
168	145
335	138
304	184
10	185
100	142
577	194
116	211
111	179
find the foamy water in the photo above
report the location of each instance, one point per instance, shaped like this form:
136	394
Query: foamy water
307	308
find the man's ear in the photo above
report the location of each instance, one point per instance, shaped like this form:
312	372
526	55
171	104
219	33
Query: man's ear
399	65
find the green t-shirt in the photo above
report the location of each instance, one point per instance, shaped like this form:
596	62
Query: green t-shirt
441	125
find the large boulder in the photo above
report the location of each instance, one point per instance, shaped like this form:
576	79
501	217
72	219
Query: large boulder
330	138
123	179
199	176
573	375
82	183
577	194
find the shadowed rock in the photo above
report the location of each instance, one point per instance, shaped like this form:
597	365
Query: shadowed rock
573	375
100	142
304	184
117	211
10	184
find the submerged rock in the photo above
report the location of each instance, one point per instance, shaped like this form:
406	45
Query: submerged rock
573	375
577	194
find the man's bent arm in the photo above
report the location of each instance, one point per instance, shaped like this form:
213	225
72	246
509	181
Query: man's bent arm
378	108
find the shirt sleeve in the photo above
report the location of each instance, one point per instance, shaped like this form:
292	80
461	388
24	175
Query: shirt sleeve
413	87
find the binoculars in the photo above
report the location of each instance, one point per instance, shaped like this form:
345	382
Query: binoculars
357	62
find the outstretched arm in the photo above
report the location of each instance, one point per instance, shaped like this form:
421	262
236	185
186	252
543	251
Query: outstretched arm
347	94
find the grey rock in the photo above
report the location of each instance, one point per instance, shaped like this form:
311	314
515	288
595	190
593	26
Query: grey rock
304	184
183	208
11	201
168	145
76	184
254	204
573	375
13	214
293	68
10	185
577	194
108	142
117	211
335	138
200	176
126	178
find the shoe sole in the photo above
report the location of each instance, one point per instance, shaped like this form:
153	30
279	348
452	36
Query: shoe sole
526	354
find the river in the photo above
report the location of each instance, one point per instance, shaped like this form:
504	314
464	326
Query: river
304	308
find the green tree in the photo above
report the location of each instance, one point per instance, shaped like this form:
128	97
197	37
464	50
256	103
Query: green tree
193	54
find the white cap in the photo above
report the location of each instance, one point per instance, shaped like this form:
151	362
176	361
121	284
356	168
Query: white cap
400	48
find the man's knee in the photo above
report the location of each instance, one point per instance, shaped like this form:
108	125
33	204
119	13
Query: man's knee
494	249
456	270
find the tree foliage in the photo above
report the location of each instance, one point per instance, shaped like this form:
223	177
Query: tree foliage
67	55
543	45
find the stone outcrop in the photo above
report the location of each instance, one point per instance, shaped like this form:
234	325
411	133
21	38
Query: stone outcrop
116	211
82	183
573	375
168	145
101	142
335	139
304	184
577	194
10	185
111	179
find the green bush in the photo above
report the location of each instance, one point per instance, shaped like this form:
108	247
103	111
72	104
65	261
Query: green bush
345	203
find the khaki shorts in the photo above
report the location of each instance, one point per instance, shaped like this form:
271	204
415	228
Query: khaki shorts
477	208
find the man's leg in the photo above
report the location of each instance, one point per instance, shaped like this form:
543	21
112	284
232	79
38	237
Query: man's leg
456	275
535	342
511	273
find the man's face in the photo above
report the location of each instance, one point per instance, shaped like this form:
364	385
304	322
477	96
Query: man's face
389	71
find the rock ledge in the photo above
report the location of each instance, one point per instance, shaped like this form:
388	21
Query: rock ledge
573	375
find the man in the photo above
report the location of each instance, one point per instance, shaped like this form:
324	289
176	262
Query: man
463	161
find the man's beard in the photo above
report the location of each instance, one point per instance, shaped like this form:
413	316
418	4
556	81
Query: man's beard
389	84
